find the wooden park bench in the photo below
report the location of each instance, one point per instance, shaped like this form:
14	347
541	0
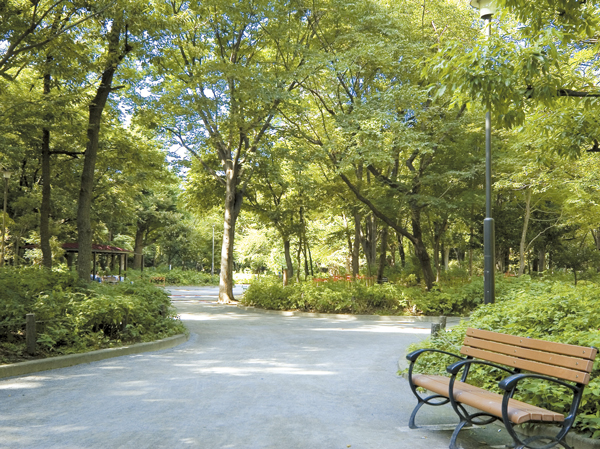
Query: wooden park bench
518	358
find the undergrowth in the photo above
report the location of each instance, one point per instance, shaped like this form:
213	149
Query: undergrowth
72	316
176	276
452	298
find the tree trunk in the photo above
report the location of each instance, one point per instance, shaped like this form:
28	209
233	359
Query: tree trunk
369	242
233	205
421	250
356	247
471	237
436	257
416	238
84	223
401	251
524	233
138	248
288	258
446	250
542	260
304	244
298	258
439	231
383	253
312	273
46	192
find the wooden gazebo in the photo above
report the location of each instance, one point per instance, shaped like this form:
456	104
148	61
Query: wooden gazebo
112	251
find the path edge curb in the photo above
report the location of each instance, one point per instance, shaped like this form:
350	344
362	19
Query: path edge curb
64	361
392	318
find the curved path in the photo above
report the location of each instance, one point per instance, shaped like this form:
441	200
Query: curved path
243	380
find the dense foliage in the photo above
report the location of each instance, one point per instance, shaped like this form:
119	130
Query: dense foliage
554	311
75	317
458	298
344	136
176	276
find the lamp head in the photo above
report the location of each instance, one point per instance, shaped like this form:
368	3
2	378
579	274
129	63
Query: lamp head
486	7
6	173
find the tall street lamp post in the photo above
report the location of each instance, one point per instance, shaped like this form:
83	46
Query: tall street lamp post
486	11
6	174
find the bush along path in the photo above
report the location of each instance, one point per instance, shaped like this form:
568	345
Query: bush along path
456	298
73	317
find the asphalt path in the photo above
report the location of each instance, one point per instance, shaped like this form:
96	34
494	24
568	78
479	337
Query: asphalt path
244	380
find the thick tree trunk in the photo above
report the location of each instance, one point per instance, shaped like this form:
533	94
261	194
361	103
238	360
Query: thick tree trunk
289	265
383	253
84	223
524	233
233	206
138	248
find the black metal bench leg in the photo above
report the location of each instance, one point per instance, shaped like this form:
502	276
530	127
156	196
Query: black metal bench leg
411	421
458	428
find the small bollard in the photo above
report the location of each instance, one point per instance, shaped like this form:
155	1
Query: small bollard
439	327
30	334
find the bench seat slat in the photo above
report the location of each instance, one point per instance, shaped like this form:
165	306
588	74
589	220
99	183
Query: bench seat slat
527	365
531	354
486	401
532	343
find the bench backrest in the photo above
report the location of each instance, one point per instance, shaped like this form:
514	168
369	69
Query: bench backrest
568	362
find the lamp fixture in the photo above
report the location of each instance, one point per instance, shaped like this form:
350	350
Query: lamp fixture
486	7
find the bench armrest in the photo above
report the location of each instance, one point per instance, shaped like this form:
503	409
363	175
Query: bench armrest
510	383
457	366
509	386
413	356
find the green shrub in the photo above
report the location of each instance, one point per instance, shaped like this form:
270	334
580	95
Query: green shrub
554	311
176	276
73	316
329	297
340	297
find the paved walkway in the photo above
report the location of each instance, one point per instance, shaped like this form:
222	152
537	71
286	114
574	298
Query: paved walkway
243	380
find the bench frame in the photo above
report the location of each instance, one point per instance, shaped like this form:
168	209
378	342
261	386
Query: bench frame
508	385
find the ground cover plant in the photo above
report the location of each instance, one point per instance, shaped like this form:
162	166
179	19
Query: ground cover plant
75	317
176	276
454	298
549	310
